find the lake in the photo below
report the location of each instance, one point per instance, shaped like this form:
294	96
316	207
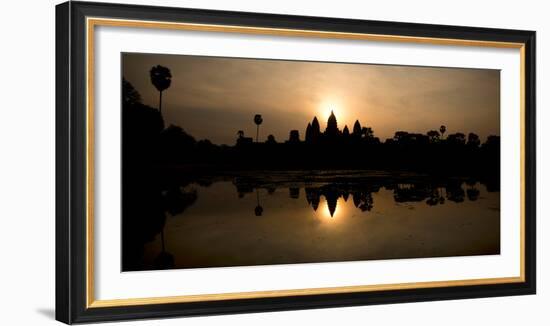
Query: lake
263	218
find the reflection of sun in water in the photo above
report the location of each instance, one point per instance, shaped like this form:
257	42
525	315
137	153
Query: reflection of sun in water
323	211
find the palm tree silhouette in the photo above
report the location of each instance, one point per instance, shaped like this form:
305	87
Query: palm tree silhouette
161	78
240	133
258	121
442	130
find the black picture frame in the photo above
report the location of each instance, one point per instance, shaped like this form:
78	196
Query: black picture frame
71	158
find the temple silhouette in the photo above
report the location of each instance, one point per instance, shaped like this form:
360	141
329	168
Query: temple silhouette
332	133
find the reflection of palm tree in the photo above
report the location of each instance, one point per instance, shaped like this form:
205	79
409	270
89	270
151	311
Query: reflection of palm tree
259	209
258	121
161	78
164	260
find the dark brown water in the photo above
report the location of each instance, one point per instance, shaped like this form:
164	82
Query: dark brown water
262	219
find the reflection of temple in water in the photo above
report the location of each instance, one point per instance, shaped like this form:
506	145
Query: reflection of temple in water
361	194
313	197
332	199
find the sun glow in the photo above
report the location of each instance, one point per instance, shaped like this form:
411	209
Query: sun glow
339	212
327	110
336	107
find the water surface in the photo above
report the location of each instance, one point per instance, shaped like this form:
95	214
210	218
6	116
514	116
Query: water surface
282	218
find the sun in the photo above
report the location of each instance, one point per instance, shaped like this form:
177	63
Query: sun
328	107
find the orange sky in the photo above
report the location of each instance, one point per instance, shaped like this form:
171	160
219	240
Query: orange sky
214	97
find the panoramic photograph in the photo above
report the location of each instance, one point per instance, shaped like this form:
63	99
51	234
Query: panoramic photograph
243	162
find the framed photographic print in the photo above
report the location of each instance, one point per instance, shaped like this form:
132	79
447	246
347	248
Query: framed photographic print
216	162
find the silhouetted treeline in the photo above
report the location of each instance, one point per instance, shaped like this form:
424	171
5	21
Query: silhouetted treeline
145	196
332	149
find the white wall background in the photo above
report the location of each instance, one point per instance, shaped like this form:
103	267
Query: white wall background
27	162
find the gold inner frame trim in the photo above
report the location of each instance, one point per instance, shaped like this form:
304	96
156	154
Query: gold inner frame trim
92	22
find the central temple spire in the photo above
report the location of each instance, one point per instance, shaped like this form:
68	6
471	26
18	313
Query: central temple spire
332	125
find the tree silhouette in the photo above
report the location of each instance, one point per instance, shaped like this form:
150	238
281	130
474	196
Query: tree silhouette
258	121
161	78
367	132
492	140
271	140
442	130
434	136
294	136
456	139
129	94
401	137
473	140
240	133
